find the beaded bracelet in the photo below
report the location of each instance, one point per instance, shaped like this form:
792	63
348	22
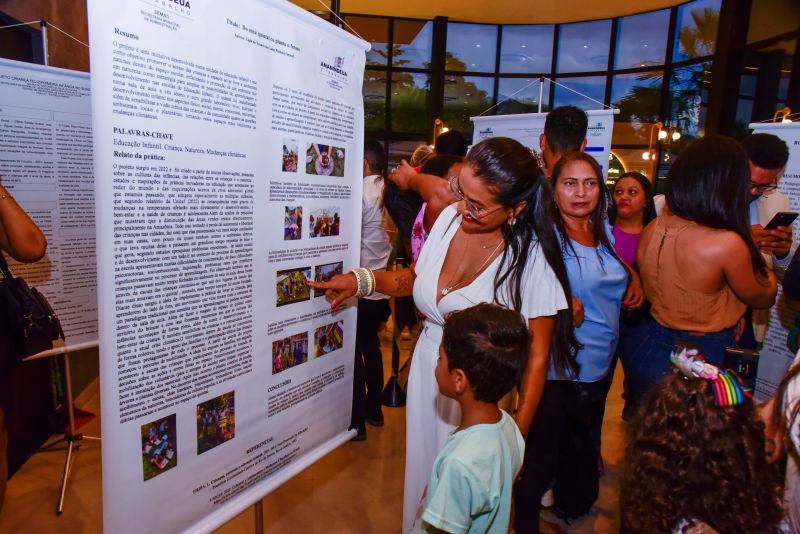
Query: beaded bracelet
371	275
365	282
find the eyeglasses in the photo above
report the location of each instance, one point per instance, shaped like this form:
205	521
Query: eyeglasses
761	188
472	210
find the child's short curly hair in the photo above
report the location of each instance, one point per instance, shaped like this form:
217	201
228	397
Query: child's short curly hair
490	344
689	459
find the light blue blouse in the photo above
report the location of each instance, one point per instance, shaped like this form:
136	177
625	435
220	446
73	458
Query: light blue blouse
598	280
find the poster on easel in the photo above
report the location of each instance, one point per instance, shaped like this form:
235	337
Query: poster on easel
46	164
228	144
775	356
527	127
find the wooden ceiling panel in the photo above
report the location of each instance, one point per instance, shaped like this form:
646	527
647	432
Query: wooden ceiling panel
502	12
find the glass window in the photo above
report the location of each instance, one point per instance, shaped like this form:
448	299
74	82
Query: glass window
526	48
638	97
465	97
667	157
374	30
783	86
399	150
410	102
696	30
521	95
592	86
583	46
642	40
747	85
374	100
624	160
471	47
688	89
412	44
744	113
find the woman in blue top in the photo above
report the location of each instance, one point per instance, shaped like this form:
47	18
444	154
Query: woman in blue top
598	278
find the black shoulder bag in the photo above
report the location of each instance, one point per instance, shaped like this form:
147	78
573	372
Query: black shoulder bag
33	321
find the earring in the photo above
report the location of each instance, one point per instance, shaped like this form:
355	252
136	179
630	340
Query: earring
512	221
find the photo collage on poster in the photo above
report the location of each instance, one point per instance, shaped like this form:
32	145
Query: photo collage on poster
300	222
321	160
216	424
291	351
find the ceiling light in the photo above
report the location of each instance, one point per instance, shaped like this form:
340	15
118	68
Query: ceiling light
477	46
662	134
645	45
645	155
586	46
676	135
642	65
524	46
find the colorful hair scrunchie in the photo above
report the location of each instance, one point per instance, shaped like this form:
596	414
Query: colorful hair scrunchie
725	385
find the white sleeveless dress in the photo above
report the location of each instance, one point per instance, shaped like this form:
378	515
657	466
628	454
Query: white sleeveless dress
430	416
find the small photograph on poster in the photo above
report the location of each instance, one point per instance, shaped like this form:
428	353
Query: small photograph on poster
159	447
289	155
292	285
328	338
289	351
324	222
324	160
216	422
323	273
292	223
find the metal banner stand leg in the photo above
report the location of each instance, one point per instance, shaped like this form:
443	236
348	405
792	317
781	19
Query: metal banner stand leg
71	437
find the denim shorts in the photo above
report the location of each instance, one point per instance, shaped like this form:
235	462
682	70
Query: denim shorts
644	350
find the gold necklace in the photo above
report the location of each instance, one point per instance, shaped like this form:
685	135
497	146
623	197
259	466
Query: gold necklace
470	278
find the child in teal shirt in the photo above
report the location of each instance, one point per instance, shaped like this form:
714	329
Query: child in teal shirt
483	353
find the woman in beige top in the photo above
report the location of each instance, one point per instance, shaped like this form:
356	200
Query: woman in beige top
699	266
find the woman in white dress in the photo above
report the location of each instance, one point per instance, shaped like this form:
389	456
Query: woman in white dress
495	244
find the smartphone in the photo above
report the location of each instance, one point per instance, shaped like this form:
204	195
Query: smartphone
782	218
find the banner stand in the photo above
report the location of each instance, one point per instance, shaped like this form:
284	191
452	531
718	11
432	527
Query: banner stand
71	437
259	509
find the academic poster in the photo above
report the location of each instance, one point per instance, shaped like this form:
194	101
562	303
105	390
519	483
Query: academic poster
775	356
46	164
527	127
228	153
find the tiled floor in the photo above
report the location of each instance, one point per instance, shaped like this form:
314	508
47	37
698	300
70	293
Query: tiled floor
356	488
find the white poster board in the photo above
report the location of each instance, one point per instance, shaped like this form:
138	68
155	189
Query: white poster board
220	129
46	164
775	357
527	127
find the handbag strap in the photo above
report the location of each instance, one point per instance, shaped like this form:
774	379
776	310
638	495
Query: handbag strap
4	267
